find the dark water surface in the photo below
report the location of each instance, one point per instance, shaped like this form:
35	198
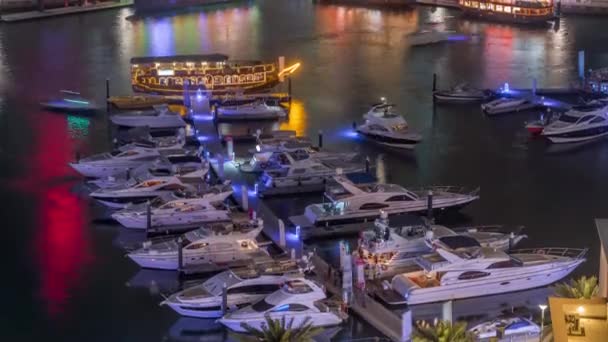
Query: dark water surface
65	277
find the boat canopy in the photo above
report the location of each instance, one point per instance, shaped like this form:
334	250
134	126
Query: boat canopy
214	284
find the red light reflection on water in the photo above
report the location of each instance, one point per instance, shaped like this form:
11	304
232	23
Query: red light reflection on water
61	246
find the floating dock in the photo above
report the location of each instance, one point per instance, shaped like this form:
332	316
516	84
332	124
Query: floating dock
61	11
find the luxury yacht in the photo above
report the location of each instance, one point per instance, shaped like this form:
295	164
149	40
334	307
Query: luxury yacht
384	126
462	93
472	272
257	110
70	101
578	124
351	202
297	300
158	118
394	247
190	212
120	197
507	329
108	164
243	288
281	140
289	156
508	105
216	245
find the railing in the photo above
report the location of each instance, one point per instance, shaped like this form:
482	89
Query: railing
576	253
448	188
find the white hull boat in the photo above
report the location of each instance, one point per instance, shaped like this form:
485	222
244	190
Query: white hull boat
387	128
507	329
109	164
508	105
250	111
70	101
578	124
159	118
462	93
428	37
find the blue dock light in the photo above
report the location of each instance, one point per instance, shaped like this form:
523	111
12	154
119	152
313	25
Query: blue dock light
199	95
506	88
297	231
255	189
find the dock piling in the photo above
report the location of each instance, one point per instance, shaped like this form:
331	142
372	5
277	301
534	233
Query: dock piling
293	254
148	217
180	254
434	82
244	197
429	206
107	95
406	325
224	299
367	166
282	242
320	138
446	311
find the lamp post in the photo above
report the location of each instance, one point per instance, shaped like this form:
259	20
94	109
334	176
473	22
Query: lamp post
542	319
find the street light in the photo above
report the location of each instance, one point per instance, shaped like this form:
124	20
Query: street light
542	320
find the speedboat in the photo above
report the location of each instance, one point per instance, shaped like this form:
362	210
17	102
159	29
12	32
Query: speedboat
578	124
137	101
351	202
472	272
388	128
427	37
108	164
70	101
394	247
215	246
462	93
298	300
508	105
257	110
191	212
507	329
158	118
119	198
242	289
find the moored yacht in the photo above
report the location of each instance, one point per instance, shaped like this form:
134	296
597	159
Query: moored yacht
384	126
472	272
508	105
297	300
351	202
190	212
108	164
462	93
216	246
70	101
119	198
578	124
257	110
158	118
428	37
287	157
281	140
507	329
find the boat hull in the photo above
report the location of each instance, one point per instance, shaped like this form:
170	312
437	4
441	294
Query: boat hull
384	140
98	171
320	319
151	122
160	221
508	109
576	136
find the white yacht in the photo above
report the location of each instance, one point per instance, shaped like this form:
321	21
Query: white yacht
214	245
508	105
272	160
120	197
280	140
428	37
578	124
462	93
243	288
351	202
190	212
70	101
507	329
297	300
108	164
394	247
158	118
472	272
257	110
384	126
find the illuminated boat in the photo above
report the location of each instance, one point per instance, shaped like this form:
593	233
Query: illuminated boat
515	11
214	72
137	101
69	101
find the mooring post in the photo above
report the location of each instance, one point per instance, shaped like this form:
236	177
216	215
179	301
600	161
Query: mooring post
107	95
282	242
293	254
220	166
367	162
148	217
244	197
434	82
230	148
320	138
186	94
224	299
128	174
429	205
180	254
446	311
406	325
511	238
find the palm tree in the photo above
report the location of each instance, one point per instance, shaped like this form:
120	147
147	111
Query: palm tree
582	288
442	331
279	330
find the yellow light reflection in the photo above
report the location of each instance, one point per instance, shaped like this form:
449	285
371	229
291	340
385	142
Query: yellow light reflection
289	70
298	120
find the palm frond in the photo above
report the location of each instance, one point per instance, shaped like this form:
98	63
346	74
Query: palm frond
442	331
581	288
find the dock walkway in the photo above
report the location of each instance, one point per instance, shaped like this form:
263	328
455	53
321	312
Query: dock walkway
55	12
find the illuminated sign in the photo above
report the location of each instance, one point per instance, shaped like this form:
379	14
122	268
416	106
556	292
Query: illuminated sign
166	72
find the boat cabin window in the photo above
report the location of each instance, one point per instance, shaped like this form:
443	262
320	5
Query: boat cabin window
184	159
297	287
586	118
378	128
148	184
127	154
372	206
506	264
568	118
597	119
198	245
172	187
262	306
298	171
291	307
399	198
472	275
255	289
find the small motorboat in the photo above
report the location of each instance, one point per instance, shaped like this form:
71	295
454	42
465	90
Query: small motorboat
137	101
426	37
462	93
257	110
70	101
508	328
385	127
161	117
509	105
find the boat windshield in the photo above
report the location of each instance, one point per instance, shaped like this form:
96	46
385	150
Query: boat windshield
148	184
215	284
262	306
194	235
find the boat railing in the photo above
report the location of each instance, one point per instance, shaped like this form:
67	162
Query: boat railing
448	188
575	253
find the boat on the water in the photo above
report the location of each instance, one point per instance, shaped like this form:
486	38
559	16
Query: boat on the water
462	93
538	12
508	105
257	110
385	127
297	300
111	163
217	246
137	101
70	101
472	272
287	156
513	328
428	37
160	117
578	124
